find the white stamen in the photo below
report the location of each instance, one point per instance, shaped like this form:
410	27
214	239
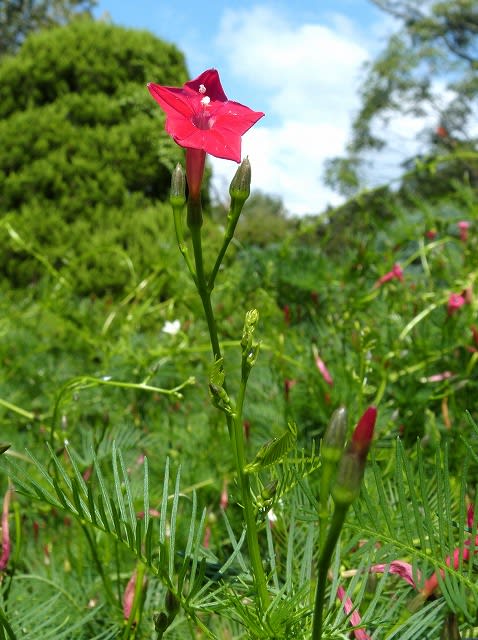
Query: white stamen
202	88
205	101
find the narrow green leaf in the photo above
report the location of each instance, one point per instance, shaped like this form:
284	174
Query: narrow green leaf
78	475
66	504
116	520
104	494
274	450
146	494
92	507
164	505
77	500
118	485
59	467
128	491
102	512
172	526
130	535
139	537
148	543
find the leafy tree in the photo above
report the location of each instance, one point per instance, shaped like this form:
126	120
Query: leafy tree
427	70
18	18
84	155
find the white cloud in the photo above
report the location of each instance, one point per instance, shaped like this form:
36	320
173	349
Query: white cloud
307	77
287	162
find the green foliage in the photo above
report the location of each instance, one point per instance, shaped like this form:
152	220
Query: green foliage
428	67
263	220
85	159
101	389
18	18
411	510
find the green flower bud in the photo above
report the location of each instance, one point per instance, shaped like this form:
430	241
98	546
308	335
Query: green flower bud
241	183
333	441
349	477
161	622
268	492
250	323
171	603
178	187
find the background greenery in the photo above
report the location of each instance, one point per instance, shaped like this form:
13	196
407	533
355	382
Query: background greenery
90	274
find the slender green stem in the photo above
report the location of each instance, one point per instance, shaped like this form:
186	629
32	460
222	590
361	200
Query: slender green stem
234	423
324	489
178	227
233	217
249	513
204	293
325	559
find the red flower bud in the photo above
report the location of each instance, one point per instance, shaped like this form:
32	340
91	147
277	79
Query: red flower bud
363	433
352	463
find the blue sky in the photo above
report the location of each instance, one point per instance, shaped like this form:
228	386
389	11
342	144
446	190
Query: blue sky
301	65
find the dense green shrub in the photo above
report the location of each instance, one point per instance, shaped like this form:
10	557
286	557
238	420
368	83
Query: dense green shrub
84	155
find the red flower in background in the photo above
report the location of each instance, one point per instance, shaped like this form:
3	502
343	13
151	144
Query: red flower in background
442	132
455	302
200	116
463	227
395	273
322	367
6	543
355	617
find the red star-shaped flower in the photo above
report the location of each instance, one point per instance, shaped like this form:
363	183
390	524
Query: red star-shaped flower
199	116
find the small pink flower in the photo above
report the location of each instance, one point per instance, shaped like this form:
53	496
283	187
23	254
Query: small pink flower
154	513
129	592
470	515
438	377
355	618
224	501
431	234
455	301
128	596
463	227
454	560
320	364
6	543
395	274
402	569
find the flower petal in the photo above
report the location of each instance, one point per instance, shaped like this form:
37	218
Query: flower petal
210	80
199	116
